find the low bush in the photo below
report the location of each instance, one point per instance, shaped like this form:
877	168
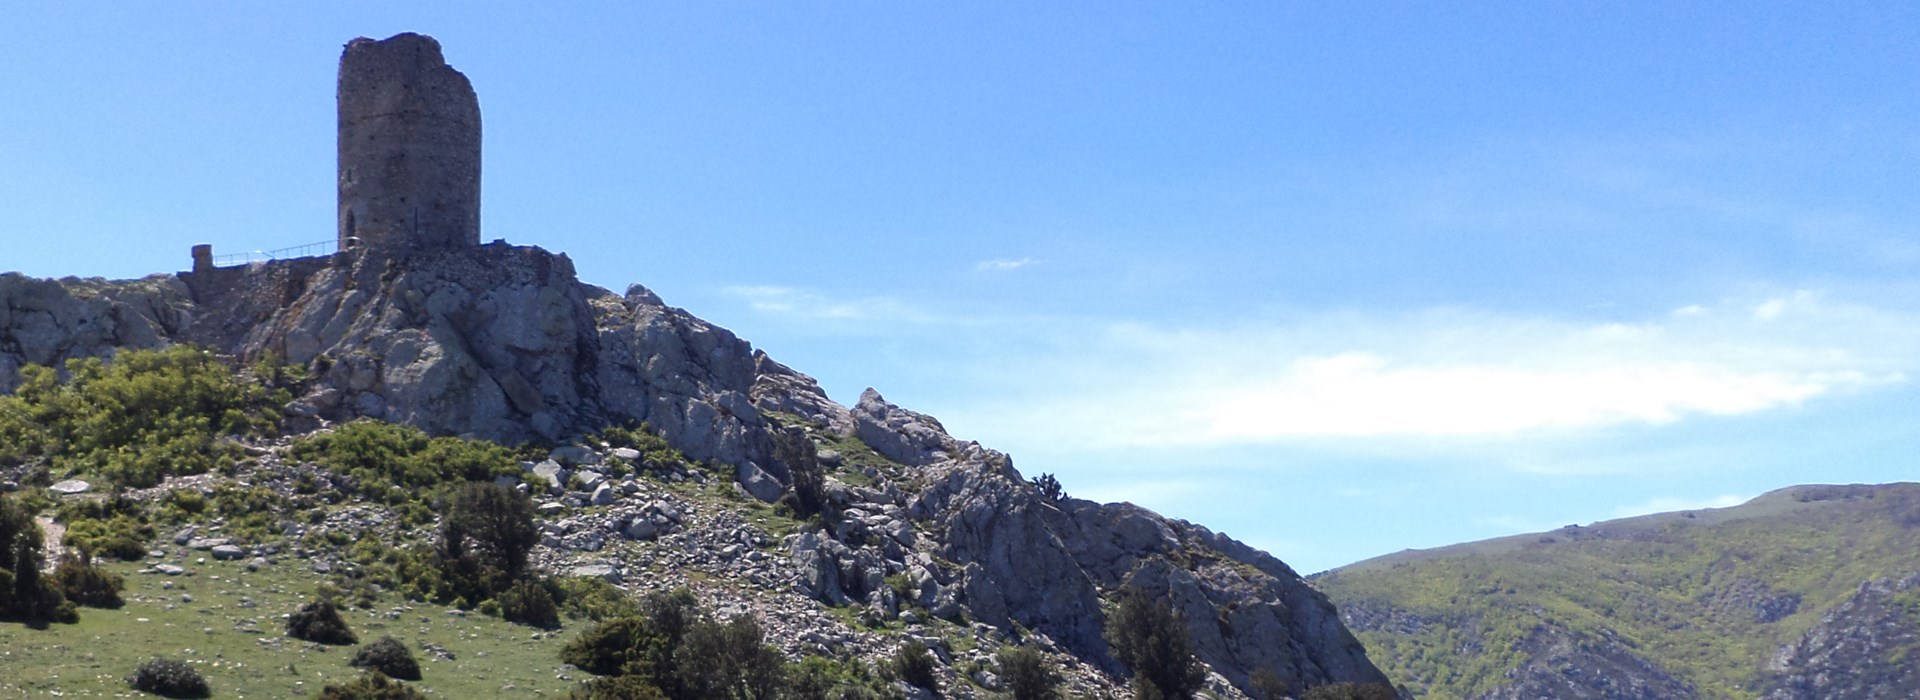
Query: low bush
617	688
1028	674
319	621
1352	691
169	678
85	583
394	464
371	686
529	603
145	415
387	655
914	663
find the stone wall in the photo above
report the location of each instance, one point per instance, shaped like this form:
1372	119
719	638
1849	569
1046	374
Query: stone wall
409	148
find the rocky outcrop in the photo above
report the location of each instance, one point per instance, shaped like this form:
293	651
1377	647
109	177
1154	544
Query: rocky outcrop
47	322
1867	647
1565	664
503	342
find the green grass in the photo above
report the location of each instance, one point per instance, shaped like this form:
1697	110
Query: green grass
243	652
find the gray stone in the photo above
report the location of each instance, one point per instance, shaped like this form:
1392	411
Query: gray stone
70	487
554	474
603	495
758	483
641	529
227	552
604	572
625	454
185	535
574	455
206	543
169	569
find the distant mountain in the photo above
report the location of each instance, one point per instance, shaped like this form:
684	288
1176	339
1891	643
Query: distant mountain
1808	592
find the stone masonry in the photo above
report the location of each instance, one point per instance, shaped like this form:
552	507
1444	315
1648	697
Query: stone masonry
409	148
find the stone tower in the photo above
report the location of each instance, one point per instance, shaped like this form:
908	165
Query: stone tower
409	148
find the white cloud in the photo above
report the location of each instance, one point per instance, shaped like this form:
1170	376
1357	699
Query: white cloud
1668	504
1004	265
1445	374
788	301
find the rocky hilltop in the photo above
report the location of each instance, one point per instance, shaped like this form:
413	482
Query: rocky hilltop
1806	592
504	343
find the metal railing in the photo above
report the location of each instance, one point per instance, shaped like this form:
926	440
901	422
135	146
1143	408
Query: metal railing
326	247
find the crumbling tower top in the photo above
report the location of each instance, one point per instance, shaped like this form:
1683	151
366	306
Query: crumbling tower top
409	148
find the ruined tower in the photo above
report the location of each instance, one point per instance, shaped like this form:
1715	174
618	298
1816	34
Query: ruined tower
409	148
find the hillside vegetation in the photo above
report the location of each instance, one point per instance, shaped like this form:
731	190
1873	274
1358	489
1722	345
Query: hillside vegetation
1745	602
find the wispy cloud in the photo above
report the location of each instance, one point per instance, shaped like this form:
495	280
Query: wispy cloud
1452	374
1668	504
789	301
1004	265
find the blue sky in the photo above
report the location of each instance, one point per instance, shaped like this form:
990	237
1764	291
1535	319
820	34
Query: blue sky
1337	279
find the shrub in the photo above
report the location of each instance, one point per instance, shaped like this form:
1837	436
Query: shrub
611	648
1028	674
146	415
169	678
1151	639
24	593
87	584
371	686
320	622
729	660
593	598
914	664
528	602
1352	691
484	540
617	688
1268	685
395	463
388	656
1049	488
794	449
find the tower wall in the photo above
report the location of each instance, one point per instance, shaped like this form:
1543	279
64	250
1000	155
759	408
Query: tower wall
409	148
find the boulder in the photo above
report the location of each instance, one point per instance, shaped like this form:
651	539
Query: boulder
70	487
227	552
758	483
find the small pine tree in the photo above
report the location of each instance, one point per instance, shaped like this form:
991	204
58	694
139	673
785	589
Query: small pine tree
1028	674
1151	639
915	665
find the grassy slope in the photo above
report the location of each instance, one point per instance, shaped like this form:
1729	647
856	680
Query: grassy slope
244	652
1678	588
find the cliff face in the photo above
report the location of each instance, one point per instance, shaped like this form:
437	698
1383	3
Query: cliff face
503	342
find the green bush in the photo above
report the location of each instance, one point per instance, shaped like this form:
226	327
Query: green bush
484	541
592	598
729	660
617	647
1028	674
24	593
394	464
388	656
86	584
617	688
1151	639
914	663
169	678
146	415
794	449
1352	691
371	686
529	603
319	621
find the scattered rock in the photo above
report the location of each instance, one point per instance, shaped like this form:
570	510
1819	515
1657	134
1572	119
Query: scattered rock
70	487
